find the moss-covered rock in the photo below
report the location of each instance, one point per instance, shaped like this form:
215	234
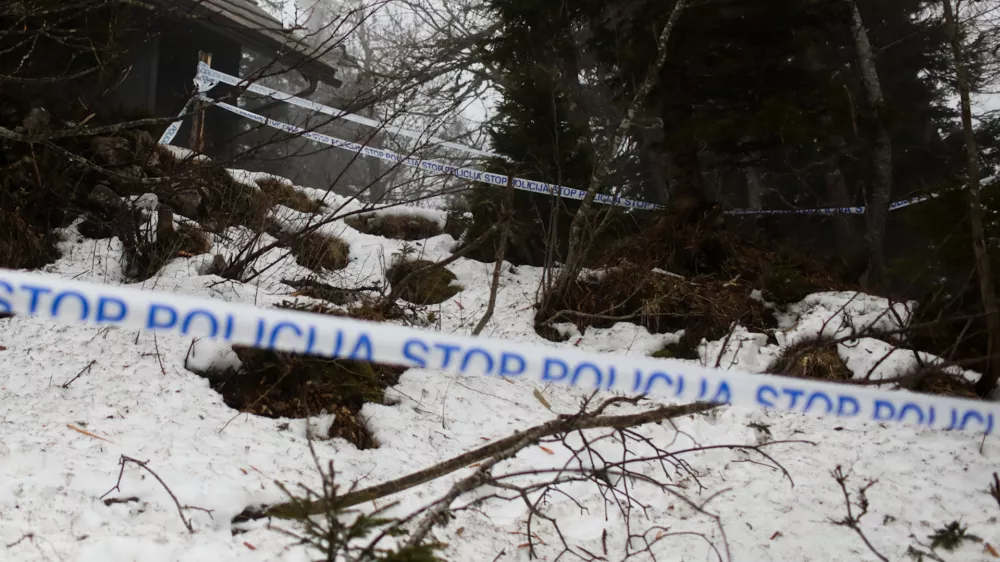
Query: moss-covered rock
318	251
426	285
398	227
281	193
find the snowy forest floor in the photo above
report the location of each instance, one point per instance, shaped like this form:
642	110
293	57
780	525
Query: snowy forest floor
75	399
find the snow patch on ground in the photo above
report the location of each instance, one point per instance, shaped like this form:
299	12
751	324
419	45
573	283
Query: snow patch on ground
873	359
134	396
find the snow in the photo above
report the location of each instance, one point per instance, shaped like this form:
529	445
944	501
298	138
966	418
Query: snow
182	153
76	399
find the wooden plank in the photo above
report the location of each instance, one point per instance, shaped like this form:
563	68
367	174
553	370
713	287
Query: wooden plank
248	24
198	123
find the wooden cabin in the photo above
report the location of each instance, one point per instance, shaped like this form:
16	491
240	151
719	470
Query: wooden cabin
163	66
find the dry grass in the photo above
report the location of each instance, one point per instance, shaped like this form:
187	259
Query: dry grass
239	205
323	291
281	193
22	245
288	385
398	227
318	252
373	310
812	360
704	307
432	286
932	379
784	277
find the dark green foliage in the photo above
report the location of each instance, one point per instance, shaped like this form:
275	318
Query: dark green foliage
772	85
938	268
340	533
951	537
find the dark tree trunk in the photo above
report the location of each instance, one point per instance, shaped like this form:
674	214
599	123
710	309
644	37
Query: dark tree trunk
848	243
988	383
877	211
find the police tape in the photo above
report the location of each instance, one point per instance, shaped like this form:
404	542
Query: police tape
470	174
79	303
533	186
168	135
206	78
208	73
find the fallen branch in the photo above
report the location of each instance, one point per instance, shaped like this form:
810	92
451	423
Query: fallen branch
85	432
995	488
562	424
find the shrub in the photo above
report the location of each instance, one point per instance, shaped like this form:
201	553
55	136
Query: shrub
425	286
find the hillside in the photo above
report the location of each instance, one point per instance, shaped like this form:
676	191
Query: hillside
76	399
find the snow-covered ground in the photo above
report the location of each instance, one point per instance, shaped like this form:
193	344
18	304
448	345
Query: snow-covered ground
73	400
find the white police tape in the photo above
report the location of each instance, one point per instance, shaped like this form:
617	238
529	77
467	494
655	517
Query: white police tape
533	186
206	78
75	302
202	85
207	72
168	136
469	174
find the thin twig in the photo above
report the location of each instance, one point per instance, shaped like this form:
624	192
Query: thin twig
562	424
80	374
501	252
853	521
143	464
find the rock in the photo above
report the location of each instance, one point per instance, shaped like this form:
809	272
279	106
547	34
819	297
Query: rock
164	224
134	172
187	202
104	198
216	267
95	228
111	151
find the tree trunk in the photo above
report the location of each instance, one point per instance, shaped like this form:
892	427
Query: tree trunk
877	212
580	233
988	383
850	251
684	177
755	192
654	163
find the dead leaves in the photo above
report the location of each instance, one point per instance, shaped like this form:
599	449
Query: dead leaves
541	398
85	432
